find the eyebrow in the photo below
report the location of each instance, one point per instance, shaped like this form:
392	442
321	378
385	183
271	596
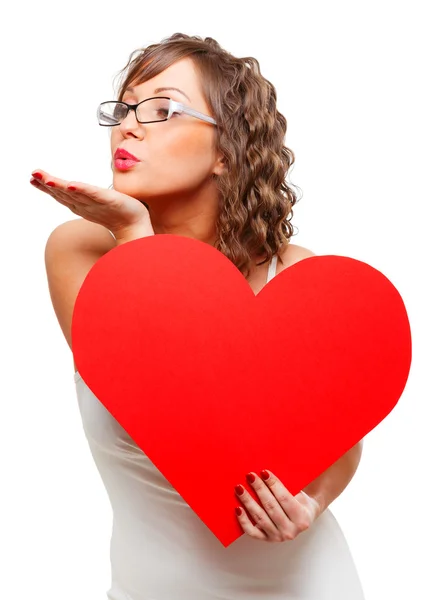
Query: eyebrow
161	89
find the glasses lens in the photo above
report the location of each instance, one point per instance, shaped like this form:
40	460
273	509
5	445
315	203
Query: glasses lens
156	109
112	113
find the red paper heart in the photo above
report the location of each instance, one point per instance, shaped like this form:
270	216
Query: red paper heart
212	381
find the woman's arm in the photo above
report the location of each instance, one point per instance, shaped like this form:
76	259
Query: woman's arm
71	250
329	485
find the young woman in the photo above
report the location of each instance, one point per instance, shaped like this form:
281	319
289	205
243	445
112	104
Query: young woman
197	144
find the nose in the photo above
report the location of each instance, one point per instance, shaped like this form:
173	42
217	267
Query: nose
130	118
130	123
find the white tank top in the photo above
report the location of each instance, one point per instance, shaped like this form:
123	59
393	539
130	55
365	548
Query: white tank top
161	550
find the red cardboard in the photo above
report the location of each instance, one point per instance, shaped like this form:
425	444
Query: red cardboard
208	378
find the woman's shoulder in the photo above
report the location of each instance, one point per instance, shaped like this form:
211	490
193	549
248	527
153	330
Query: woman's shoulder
84	234
293	253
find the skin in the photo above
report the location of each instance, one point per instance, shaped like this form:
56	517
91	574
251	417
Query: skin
179	158
175	178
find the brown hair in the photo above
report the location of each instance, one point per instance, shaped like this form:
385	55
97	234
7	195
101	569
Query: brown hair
255	200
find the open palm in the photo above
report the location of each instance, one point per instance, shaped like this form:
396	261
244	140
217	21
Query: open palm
106	207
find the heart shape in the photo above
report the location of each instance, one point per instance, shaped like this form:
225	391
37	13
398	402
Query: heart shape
212	382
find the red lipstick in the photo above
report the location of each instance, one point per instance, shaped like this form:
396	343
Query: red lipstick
123	160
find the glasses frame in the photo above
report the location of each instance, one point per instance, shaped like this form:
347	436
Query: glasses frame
174	106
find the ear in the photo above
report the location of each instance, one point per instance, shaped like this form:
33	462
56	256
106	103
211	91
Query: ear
219	165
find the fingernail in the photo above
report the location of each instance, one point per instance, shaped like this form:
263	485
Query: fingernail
250	477
265	475
71	188
37	175
50	183
238	511
239	490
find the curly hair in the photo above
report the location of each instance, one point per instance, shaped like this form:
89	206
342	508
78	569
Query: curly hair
255	200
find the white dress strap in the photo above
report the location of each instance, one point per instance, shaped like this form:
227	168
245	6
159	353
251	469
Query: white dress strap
272	268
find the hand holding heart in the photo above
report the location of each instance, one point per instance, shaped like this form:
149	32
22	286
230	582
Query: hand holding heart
281	516
112	209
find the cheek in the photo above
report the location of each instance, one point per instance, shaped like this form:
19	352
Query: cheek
186	148
115	140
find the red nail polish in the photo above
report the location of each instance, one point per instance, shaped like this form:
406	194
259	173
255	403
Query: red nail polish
265	475
239	490
37	175
250	477
50	183
238	511
71	188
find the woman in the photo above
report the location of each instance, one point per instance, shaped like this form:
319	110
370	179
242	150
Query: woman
208	162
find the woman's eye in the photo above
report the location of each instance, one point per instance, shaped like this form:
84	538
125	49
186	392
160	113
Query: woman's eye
165	111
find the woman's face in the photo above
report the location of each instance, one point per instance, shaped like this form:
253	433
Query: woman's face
177	156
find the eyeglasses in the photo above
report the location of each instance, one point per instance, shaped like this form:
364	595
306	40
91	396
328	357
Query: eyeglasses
151	110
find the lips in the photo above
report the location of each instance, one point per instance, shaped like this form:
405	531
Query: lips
121	153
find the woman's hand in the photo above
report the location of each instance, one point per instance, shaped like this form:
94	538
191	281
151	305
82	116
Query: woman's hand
281	517
109	208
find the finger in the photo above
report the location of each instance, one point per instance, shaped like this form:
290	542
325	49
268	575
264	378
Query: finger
296	512
82	193
63	191
38	174
56	187
89	195
43	188
248	526
45	177
257	513
67	202
271	504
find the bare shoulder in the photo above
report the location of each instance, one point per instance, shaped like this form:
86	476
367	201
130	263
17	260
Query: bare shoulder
81	234
292	254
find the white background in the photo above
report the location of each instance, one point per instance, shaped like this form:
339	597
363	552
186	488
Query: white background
353	82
